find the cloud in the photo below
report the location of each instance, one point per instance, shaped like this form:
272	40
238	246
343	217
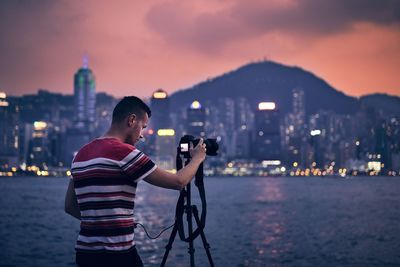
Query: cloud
210	30
35	37
136	46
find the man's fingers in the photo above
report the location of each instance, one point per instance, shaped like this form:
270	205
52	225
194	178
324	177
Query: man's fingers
200	142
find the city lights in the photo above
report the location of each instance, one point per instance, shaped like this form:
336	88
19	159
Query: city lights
253	142
266	106
3	102
159	94
166	132
271	162
315	132
374	165
39	125
195	105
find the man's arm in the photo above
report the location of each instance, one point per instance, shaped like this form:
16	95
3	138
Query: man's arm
71	203
179	180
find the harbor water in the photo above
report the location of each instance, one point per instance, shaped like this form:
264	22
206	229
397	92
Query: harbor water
251	221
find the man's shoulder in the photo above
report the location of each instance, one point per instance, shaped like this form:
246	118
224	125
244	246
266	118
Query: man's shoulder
104	148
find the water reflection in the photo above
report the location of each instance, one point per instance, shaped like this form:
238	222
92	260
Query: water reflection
250	222
155	208
269	222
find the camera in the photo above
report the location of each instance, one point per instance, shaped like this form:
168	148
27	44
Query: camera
184	145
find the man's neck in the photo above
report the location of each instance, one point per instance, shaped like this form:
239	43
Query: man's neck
114	133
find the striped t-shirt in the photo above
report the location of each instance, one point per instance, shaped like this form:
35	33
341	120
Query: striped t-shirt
105	173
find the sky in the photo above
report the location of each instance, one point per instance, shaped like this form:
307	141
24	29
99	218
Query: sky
136	47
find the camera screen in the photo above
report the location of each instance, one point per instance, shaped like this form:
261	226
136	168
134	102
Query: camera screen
184	147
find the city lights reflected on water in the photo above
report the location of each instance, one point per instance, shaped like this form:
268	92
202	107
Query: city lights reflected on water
270	221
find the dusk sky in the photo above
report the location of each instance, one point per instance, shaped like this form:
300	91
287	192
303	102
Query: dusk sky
135	47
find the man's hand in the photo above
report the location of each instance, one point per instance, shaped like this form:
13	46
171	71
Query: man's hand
198	153
179	180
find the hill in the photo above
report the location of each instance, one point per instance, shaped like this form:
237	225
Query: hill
269	81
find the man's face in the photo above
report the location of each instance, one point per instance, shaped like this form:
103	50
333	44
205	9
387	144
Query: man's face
136	126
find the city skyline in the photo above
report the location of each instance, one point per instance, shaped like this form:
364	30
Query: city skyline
41	133
135	48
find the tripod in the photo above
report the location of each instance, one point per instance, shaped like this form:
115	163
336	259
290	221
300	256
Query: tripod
191	211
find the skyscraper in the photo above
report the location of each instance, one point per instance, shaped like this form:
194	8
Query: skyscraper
85	97
9	118
160	108
294	130
298	106
38	151
85	113
196	118
267	145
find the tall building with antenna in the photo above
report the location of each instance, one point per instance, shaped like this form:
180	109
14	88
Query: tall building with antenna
84	96
84	113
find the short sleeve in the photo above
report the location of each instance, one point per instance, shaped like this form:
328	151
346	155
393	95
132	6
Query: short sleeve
137	165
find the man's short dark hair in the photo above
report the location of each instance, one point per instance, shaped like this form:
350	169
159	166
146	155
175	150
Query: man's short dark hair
130	105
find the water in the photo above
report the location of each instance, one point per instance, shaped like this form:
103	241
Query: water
251	222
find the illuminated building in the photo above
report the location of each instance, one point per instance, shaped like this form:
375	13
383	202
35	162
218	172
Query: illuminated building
316	156
160	119
84	97
195	122
82	129
394	136
244	121
298	104
267	140
382	146
38	150
165	147
319	138
244	115
220	123
160	110
9	118
295	130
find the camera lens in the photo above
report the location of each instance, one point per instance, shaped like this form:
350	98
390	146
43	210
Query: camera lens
211	146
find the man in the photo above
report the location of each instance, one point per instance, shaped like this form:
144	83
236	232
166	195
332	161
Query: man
101	193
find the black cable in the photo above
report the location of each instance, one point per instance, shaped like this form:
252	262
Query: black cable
157	236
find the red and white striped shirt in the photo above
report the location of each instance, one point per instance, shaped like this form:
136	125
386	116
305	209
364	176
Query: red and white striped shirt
105	173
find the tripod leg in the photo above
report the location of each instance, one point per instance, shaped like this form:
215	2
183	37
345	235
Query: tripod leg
169	245
190	230
202	234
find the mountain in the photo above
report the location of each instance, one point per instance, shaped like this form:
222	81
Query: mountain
268	81
384	104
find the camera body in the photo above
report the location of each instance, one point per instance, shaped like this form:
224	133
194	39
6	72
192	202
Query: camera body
184	145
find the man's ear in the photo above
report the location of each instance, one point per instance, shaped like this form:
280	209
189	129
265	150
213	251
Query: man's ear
131	120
